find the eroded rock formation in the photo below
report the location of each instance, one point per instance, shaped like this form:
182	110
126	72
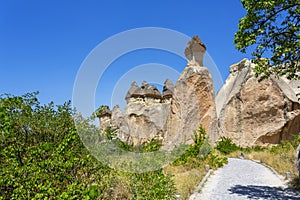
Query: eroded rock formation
105	117
256	113
168	91
294	84
192	104
245	110
175	114
145	115
193	101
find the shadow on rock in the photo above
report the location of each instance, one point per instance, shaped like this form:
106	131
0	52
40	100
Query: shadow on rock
265	192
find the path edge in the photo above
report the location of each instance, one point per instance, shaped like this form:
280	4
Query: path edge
201	184
272	170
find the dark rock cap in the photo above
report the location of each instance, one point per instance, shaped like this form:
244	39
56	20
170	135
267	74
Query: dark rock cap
104	111
194	51
144	85
152	91
168	89
144	91
132	89
138	93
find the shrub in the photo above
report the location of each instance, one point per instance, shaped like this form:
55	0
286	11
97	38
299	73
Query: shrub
258	148
205	149
199	149
226	146
152	185
215	161
42	157
200	152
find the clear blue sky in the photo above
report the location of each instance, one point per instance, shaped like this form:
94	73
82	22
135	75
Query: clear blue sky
43	43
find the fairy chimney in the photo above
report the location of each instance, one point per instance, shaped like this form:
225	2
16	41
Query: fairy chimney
104	116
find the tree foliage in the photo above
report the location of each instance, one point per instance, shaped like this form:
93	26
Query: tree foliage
271	28
200	152
226	146
42	157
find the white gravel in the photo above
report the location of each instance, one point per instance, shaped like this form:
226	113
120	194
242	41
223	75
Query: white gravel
244	179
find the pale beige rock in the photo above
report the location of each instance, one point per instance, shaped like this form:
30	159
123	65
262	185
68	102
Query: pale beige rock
178	112
192	104
104	117
253	113
146	121
145	115
119	123
294	84
133	90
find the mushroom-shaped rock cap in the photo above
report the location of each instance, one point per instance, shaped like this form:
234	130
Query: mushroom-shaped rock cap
194	51
138	93
152	91
132	89
135	91
168	89
104	111
144	85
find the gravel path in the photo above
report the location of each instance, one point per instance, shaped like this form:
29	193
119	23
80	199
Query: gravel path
244	179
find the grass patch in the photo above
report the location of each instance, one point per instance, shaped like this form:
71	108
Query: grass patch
189	169
186	180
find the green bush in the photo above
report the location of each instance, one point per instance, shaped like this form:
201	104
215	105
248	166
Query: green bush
215	161
159	185
200	152
258	148
42	157
205	149
199	149
153	145
226	146
296	140
283	147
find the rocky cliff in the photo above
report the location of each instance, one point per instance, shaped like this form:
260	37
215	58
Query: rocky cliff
256	113
193	100
245	110
145	115
173	115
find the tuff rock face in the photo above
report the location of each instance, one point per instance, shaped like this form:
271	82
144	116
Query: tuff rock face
145	115
256	113
245	110
192	104
294	84
168	91
175	114
104	115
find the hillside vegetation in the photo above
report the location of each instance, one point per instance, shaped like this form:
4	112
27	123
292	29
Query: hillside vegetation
42	157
